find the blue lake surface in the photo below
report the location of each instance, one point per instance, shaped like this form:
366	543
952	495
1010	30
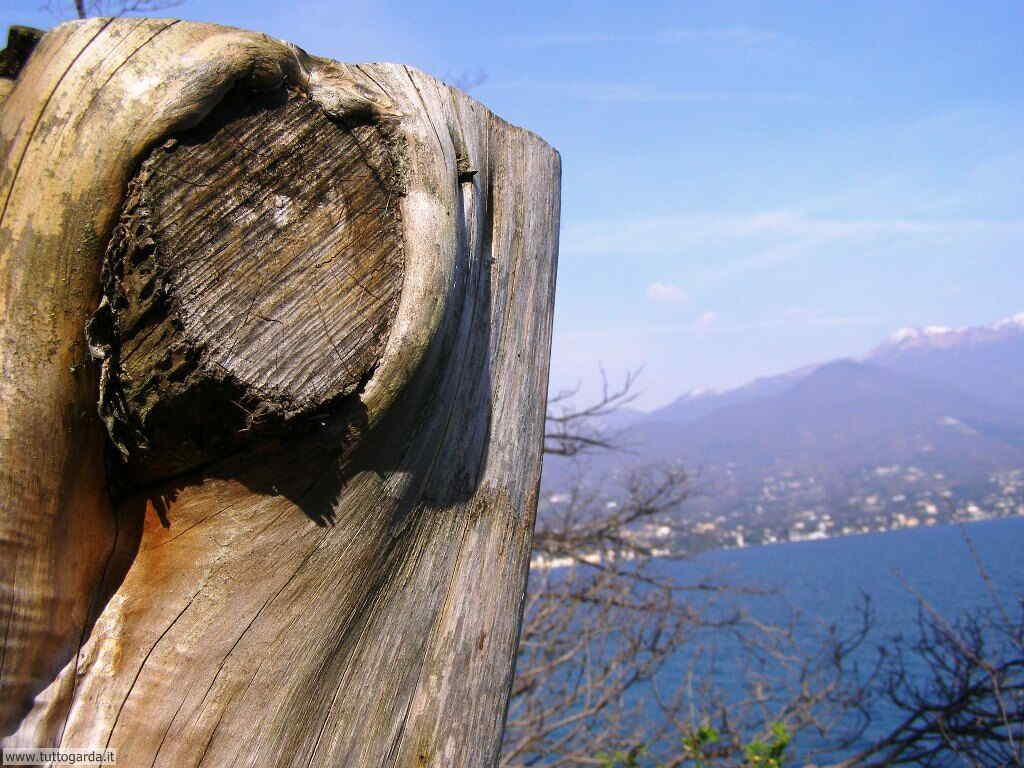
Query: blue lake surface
825	579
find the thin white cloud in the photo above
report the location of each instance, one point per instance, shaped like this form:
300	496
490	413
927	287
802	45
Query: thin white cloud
817	318
620	92
737	36
653	234
699	325
711	322
666	292
706	319
764	239
544	41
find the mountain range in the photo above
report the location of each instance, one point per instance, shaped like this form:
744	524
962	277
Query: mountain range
932	418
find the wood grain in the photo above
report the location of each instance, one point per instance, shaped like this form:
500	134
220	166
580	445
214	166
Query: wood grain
252	278
344	586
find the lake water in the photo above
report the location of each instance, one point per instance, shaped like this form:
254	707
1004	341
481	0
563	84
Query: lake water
825	578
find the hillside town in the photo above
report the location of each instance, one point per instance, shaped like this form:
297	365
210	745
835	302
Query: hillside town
793	506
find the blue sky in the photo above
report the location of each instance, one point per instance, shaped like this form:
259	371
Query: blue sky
747	186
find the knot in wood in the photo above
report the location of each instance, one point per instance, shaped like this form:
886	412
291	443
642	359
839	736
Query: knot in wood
251	280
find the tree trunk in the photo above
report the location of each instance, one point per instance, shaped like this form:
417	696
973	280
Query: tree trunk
274	359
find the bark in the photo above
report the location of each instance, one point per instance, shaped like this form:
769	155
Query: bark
274	356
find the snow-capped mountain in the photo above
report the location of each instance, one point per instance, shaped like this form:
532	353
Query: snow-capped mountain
986	361
940	403
942	337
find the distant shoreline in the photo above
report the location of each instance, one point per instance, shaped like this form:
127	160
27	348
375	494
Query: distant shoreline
546	563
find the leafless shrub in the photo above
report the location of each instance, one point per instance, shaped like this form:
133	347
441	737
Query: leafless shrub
619	665
83	9
571	430
959	685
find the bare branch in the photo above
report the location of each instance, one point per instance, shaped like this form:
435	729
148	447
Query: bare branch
572	430
620	665
85	8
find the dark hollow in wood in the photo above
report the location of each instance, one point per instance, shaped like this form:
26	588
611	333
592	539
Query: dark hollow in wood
251	280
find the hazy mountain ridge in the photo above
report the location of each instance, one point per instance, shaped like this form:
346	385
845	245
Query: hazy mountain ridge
942	406
987	361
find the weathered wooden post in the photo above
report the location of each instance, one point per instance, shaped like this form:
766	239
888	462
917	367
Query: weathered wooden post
274	358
